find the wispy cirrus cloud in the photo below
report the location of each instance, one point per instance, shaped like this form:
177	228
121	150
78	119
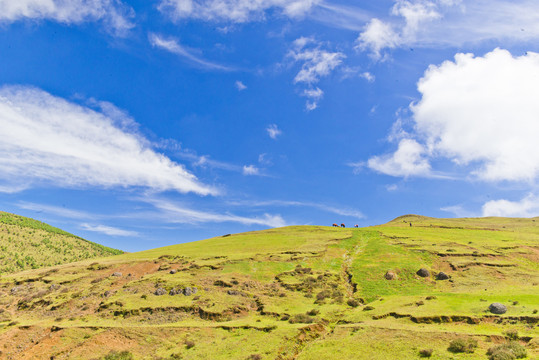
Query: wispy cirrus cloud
343	211
172	212
114	14
235	11
108	230
443	23
172	45
47	139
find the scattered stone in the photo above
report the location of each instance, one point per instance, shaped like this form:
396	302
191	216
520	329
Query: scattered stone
390	275
15	289
497	308
420	302
368	308
174	292
233	292
442	276
423	272
160	291
432	297
118	274
173	271
54	287
188	291
107	293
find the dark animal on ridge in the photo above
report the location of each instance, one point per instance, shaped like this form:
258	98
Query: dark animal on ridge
335	225
356	225
342	225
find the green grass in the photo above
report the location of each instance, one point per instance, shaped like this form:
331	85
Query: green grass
250	284
30	244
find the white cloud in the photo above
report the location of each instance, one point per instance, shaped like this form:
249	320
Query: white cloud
368	76
175	213
172	45
250	170
240	86
273	131
392	187
113	13
479	112
415	14
316	63
237	11
483	110
48	139
108	230
442	23
408	160
315	94
459	211
526	207
378	35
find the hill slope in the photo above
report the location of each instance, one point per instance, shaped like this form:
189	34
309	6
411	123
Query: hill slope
30	244
302	292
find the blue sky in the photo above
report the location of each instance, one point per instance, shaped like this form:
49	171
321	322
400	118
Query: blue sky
140	124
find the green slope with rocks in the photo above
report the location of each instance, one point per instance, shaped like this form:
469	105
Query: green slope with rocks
299	292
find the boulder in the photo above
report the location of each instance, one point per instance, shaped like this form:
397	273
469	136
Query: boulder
497	308
174	292
160	291
188	291
390	275
173	271
442	276
119	274
423	272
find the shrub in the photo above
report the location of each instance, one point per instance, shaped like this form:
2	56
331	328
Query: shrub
301	319
426	352
123	355
255	357
462	345
511	350
502	355
511	334
313	312
189	344
323	295
353	303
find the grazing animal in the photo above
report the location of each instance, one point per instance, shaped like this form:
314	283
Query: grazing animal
335	225
342	225
356	225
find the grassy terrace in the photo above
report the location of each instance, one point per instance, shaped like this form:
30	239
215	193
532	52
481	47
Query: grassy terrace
300	292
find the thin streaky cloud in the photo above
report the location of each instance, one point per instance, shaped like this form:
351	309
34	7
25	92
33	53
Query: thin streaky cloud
172	212
108	230
172	45
332	209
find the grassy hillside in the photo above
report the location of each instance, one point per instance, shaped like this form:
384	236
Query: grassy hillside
301	292
30	244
